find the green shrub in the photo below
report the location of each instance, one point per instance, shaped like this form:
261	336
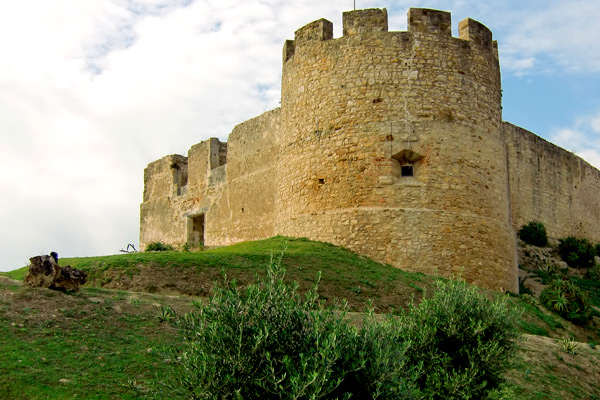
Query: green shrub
578	253
593	273
464	341
566	299
597	249
534	233
268	342
190	246
159	246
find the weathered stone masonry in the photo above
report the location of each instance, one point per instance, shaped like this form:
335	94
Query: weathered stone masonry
389	143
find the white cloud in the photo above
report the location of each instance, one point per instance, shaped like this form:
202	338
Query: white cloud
582	138
91	92
560	35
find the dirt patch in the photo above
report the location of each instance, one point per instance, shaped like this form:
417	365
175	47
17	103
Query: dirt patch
387	295
27	306
7	281
564	376
157	280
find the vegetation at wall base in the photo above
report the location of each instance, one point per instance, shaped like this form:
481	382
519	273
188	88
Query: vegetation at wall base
577	252
568	300
159	246
534	233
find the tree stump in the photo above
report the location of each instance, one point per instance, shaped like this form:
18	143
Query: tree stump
44	271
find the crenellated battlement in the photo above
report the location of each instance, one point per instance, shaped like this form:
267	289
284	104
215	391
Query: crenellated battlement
477	34
421	22
429	22
373	20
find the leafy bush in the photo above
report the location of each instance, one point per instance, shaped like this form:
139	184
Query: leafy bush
267	341
534	233
578	253
463	340
159	246
566	299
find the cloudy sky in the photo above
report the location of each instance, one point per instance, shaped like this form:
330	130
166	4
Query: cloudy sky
92	91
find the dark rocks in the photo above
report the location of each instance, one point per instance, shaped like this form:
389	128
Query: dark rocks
44	271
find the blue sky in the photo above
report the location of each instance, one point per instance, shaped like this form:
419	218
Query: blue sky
92	91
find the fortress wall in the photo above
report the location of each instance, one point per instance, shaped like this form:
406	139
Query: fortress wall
421	240
230	187
349	105
418	224
158	221
243	208
159	179
551	185
198	166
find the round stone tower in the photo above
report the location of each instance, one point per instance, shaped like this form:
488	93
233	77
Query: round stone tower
390	145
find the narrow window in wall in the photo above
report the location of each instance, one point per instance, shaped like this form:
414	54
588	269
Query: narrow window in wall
196	230
404	162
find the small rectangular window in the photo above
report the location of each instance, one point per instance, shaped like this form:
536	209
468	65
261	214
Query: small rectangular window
407	170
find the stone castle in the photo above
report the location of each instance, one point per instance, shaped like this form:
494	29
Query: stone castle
391	144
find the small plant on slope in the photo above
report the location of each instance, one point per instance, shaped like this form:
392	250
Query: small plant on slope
568	345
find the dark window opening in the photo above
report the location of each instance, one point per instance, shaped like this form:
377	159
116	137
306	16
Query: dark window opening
407	170
321	181
180	178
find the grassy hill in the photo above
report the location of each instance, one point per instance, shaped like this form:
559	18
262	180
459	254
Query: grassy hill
104	341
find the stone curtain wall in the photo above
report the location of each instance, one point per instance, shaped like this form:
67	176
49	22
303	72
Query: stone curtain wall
245	209
159	220
232	184
350	104
552	185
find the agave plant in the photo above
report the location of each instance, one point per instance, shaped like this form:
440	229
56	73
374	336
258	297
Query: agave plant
568	345
567	299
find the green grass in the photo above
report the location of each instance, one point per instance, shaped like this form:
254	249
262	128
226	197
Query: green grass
99	348
592	287
18	274
345	275
93	344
